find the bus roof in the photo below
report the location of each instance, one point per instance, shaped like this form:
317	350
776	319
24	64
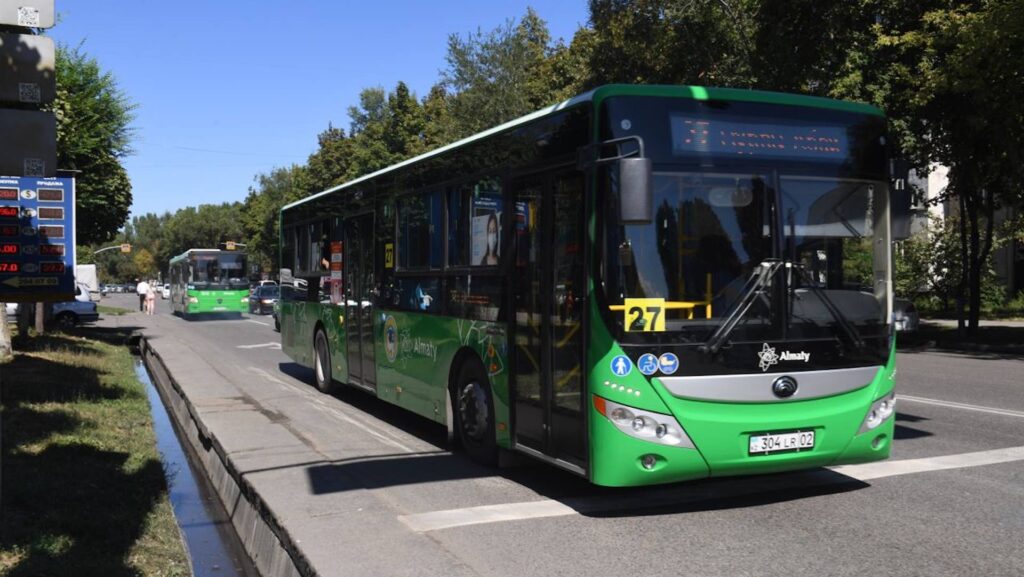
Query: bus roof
600	93
192	250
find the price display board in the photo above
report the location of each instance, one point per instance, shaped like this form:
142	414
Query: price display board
37	239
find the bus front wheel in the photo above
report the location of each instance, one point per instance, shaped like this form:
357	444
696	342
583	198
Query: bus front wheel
322	363
474	413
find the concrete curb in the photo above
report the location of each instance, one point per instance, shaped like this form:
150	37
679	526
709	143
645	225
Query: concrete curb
269	546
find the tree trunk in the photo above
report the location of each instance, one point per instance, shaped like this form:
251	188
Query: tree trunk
40	317
6	353
961	287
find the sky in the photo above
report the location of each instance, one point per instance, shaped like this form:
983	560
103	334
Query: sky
228	89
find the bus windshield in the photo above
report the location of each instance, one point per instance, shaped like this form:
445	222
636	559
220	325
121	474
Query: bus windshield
769	217
712	231
218	271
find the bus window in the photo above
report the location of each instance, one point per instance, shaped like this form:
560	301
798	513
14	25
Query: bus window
419	231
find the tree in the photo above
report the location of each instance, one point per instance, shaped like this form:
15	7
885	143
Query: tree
93	135
948	75
706	42
501	75
261	214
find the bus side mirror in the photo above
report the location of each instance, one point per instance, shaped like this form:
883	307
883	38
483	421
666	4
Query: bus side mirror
636	190
900	199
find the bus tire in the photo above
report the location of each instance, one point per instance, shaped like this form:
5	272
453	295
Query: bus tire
474	413
322	363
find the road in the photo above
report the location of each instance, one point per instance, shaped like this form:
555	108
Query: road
949	502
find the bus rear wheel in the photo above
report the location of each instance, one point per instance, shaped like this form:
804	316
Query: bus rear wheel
322	363
474	413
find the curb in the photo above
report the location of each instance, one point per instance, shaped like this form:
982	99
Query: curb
268	545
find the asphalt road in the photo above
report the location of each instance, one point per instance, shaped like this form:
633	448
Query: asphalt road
949	502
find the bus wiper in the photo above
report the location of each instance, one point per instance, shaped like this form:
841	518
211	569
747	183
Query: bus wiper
751	291
844	323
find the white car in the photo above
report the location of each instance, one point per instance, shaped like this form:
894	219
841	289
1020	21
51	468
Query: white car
68	313
165	291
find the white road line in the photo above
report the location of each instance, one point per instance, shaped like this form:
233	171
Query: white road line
964	406
275	346
435	520
485	514
257	322
869	471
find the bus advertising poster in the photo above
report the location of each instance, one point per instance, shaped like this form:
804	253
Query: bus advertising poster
485	231
37	239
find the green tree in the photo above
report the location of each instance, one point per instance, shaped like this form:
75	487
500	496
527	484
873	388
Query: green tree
94	133
948	75
497	76
261	214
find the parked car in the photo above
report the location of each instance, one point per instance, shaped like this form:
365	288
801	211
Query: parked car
904	315
262	300
74	312
165	291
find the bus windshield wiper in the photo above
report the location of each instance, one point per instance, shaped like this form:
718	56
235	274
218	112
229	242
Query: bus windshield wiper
844	323
751	291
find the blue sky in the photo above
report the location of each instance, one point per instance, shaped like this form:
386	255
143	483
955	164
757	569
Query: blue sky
227	89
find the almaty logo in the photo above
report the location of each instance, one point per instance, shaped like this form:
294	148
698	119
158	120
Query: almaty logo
767	357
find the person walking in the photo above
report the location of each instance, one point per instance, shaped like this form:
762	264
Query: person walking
151	300
142	289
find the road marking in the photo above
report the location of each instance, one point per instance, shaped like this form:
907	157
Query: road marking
485	514
726	488
275	346
257	322
965	406
881	469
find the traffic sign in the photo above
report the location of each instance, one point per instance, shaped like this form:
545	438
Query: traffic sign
37	239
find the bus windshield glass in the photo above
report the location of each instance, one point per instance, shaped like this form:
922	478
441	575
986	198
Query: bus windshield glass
218	271
799	204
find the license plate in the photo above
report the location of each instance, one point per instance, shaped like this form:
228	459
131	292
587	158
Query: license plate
764	444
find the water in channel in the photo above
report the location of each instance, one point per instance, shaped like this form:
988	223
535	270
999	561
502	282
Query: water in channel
213	545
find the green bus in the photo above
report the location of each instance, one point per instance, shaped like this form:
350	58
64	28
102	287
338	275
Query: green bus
208	280
642	284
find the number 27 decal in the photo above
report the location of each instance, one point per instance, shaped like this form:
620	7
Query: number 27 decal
644	315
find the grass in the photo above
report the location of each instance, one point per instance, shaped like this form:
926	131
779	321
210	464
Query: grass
84	491
113	311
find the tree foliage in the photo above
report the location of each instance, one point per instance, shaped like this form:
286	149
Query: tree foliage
94	133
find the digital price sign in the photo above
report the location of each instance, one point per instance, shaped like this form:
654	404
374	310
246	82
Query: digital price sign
35	212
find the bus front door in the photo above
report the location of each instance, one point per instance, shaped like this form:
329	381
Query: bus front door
547	287
359	301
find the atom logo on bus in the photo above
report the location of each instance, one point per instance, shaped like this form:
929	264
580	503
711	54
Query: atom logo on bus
767	357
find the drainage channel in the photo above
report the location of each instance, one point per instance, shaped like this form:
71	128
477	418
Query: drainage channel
213	546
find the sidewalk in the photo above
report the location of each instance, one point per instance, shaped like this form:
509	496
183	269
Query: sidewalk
281	458
994	336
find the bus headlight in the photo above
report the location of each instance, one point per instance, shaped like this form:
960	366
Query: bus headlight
641	424
880	410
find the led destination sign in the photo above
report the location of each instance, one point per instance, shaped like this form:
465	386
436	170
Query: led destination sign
692	135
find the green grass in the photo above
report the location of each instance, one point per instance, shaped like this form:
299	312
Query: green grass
84	491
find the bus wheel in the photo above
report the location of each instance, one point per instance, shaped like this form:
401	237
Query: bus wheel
322	363
474	414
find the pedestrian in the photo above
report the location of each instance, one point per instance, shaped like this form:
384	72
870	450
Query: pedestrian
151	300
142	289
